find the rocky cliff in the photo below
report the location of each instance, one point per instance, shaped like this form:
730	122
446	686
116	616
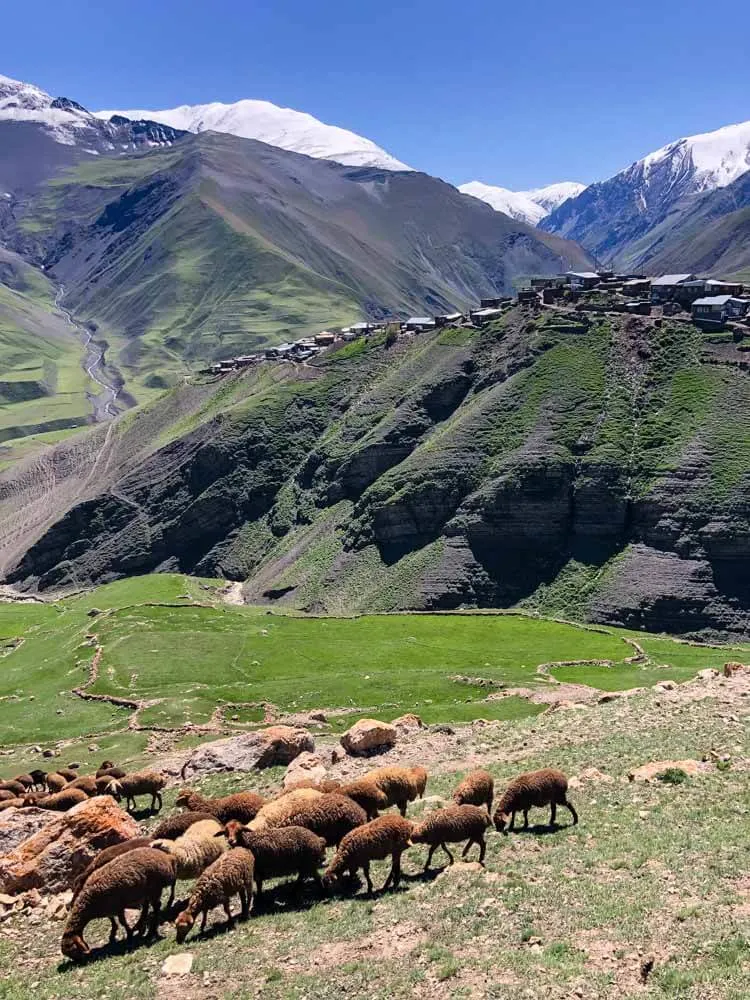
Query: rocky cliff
596	467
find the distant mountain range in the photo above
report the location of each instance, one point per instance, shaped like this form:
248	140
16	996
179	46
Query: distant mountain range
526	206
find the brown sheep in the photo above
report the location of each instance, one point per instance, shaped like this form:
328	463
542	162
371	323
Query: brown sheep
476	789
138	783
136	879
382	837
15	803
87	783
329	815
451	825
55	782
547	787
107	855
242	806
274	811
13	786
26	780
367	795
110	771
288	850
229	875
174	826
60	801
69	773
5	794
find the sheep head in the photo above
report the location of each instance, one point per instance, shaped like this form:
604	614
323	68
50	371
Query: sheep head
233	832
74	947
184	798
183	925
114	788
502	819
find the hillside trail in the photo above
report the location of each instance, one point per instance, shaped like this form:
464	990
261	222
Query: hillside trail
93	365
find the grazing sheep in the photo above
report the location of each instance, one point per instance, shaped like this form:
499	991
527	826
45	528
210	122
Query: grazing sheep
13	786
367	795
174	826
195	849
55	782
135	879
108	770
15	803
26	780
39	777
59	802
288	850
242	806
5	793
138	783
399	784
69	773
273	812
451	825
476	789
230	875
329	815
107	855
547	787
87	783
382	837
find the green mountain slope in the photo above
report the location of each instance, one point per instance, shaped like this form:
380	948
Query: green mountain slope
591	468
218	245
42	383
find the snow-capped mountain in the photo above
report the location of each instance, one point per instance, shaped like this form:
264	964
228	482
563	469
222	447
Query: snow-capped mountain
614	218
283	127
526	206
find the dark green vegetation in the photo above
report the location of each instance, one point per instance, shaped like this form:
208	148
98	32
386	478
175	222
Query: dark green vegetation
215	246
646	897
172	648
591	468
42	384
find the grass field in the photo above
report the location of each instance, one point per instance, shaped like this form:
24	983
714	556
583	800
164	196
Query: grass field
171	643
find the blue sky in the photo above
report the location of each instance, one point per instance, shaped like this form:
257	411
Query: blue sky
519	94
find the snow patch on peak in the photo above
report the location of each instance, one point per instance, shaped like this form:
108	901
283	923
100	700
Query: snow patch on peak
717	158
24	102
282	127
525	206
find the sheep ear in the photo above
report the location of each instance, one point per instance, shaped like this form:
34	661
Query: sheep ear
221	833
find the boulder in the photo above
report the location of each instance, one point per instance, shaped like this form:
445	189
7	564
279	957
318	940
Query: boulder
590	775
369	736
665	686
262	748
732	667
177	965
650	772
306	767
55	854
17	825
408	723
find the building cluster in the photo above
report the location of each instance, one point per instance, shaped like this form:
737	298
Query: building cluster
712	302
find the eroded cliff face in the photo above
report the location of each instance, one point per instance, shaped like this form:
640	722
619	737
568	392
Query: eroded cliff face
598	467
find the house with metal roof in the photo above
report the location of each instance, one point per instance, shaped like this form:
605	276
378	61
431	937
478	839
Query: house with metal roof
417	324
582	280
712	311
668	288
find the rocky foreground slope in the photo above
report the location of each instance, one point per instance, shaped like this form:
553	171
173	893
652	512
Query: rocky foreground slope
595	468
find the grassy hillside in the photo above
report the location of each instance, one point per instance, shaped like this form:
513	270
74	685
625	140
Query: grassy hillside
218	245
170	644
42	383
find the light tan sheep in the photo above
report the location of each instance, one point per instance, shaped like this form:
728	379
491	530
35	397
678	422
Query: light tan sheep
452	825
55	782
386	836
547	787
196	849
329	815
228	876
136	879
400	785
274	812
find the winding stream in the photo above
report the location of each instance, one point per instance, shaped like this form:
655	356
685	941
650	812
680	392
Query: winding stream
92	364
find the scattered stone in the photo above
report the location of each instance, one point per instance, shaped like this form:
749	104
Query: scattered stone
306	767
408	723
53	856
590	775
650	772
731	668
709	674
48	753
665	686
177	965
93	612
369	736
263	748
460	869
337	755
94	748
441	727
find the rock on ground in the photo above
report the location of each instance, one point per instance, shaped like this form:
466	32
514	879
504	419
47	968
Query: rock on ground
262	748
17	825
306	767
649	772
408	723
369	736
55	854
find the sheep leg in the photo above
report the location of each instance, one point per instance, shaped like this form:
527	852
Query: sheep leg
204	918
315	876
113	930
155	903
526	819
245	902
402	807
258	888
366	870
170	901
552	813
467	848
512	823
228	911
482	848
395	875
429	857
572	811
446	851
140	927
126	926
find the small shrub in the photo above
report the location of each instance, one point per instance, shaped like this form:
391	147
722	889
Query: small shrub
673	776
391	337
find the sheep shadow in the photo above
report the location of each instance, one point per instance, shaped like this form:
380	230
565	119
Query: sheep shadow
139	815
112	949
540	829
288	897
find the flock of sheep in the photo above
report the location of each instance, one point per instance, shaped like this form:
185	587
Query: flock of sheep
233	844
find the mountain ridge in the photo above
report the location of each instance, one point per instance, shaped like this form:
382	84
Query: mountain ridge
526	206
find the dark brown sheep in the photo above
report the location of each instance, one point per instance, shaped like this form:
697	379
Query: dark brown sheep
87	783
230	875
138	783
107	855
288	850
69	773
476	789
450	826
110	771
13	786
15	803
242	806
386	836
330	815
174	826
55	782
26	780
60	801
5	794
547	787
40	777
136	879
